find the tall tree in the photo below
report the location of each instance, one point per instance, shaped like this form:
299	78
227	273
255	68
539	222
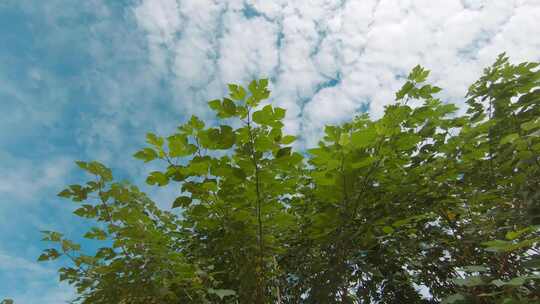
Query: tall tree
381	211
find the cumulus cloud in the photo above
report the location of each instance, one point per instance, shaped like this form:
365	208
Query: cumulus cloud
326	58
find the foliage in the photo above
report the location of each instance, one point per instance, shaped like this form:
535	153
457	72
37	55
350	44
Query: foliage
422	196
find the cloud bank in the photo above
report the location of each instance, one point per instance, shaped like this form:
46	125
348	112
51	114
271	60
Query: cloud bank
329	59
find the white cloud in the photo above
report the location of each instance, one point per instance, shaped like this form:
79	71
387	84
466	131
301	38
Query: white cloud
39	281
248	49
25	180
161	19
366	43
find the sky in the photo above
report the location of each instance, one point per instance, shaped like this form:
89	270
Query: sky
85	80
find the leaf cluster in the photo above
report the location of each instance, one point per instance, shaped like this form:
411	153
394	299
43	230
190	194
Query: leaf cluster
422	196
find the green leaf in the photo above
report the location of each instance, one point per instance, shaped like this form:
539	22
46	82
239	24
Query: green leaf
408	141
68	245
155	140
96	234
515	282
179	146
228	108
96	168
510	138
196	123
405	90
363	138
530	125
497	283
512	235
475	268
323	178
199	210
279	113
454	299
86	211
357	164
283	152
259	91
51	236
288	139
215	104
158	178
532	262
65	193
388	229
497	245
469	281
182	202
237	92
49	254
146	154
344	139
507	246
78	193
418	74
265	116
218	139
222	293
263	143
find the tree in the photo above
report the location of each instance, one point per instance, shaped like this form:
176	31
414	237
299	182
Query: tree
420	197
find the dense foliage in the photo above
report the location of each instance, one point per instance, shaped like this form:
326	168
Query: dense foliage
381	211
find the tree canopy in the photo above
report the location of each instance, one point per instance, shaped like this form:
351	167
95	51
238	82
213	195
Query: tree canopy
421	200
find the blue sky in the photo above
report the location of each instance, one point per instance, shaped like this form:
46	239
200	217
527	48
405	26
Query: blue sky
85	80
